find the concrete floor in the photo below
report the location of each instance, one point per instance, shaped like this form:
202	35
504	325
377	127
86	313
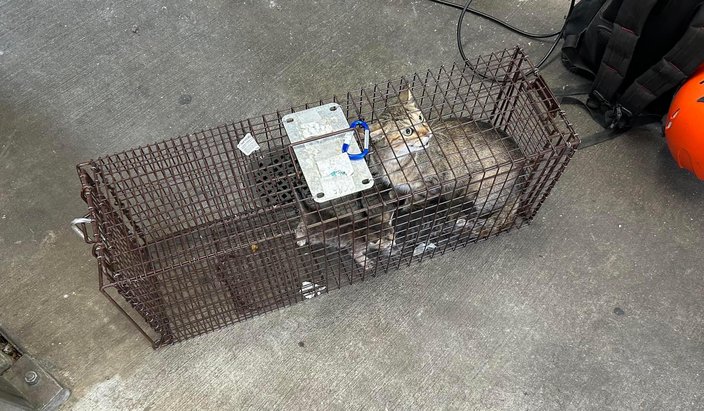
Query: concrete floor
527	320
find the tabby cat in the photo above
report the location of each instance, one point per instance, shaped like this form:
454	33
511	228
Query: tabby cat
455	160
451	160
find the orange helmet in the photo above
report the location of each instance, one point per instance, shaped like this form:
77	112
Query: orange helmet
684	128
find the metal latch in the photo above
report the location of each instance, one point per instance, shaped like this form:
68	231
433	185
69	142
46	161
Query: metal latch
79	227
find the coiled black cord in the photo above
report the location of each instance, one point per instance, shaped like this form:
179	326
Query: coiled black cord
466	8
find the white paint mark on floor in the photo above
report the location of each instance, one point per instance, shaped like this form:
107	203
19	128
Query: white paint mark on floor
49	239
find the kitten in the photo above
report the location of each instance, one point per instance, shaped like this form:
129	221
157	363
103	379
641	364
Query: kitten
359	225
456	159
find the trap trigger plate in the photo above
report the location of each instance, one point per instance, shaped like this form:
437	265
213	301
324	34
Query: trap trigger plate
329	172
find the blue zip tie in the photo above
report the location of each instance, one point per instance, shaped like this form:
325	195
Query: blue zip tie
346	143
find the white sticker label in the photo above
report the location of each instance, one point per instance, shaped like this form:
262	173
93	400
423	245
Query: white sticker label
248	144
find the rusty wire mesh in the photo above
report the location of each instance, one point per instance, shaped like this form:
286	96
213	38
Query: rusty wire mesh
191	235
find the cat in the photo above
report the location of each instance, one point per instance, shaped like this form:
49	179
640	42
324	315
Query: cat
360	225
451	160
454	160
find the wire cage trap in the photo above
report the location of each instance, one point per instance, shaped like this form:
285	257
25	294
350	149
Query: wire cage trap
191	234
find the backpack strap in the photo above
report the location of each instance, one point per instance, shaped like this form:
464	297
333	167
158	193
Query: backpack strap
628	27
609	133
674	68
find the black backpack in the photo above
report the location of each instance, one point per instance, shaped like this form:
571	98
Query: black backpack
637	52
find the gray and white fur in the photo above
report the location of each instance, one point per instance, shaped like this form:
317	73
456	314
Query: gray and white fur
456	159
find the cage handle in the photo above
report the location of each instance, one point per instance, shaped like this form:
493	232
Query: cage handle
79	227
345	146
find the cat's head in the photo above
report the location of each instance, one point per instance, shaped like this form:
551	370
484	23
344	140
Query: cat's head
402	126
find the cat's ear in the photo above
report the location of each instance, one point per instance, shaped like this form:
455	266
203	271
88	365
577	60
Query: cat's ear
405	96
375	131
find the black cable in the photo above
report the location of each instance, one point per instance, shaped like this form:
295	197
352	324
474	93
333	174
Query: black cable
466	8
559	37
498	21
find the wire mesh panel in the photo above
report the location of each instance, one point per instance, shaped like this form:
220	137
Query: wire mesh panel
191	234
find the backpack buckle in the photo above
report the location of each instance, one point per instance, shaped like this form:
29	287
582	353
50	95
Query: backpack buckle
618	117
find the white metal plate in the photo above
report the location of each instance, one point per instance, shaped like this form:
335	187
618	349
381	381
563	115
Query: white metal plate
329	172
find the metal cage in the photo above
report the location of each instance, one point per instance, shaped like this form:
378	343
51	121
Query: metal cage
191	234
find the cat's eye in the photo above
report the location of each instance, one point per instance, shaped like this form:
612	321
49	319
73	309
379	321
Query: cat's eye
420	117
408	131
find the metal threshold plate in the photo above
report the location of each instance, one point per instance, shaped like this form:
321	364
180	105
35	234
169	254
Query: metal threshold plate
329	172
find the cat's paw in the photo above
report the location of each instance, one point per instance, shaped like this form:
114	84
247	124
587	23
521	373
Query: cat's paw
423	248
366	263
403	189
